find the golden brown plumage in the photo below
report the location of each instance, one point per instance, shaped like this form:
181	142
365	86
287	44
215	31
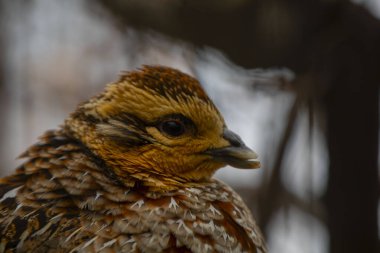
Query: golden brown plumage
130	171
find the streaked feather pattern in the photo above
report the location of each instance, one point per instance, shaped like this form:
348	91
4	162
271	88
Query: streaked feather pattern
65	198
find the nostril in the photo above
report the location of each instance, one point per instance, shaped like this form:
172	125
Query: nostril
233	138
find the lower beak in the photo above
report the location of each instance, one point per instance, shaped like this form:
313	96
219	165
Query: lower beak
237	155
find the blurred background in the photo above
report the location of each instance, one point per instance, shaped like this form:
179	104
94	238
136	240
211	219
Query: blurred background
298	80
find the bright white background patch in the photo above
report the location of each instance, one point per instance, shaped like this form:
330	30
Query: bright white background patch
59	53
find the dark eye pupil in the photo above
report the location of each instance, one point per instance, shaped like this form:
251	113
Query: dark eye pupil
172	128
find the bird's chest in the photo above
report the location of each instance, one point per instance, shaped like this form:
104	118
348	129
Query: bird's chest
200	220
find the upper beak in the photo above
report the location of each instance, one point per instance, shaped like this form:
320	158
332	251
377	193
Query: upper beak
237	155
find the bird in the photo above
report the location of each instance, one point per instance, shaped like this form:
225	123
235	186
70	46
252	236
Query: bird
131	170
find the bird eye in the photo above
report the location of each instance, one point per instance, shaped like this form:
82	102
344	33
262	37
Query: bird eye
173	128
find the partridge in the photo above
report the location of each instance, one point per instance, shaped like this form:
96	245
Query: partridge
130	170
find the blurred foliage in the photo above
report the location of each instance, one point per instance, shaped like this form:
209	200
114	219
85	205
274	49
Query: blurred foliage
331	45
333	48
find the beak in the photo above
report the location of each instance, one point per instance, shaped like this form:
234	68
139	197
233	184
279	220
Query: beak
237	155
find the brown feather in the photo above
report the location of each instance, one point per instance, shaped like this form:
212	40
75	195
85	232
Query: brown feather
109	181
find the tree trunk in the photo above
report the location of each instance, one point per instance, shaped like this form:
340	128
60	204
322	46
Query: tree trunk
334	45
352	134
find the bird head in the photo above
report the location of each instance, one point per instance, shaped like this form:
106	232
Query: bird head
157	126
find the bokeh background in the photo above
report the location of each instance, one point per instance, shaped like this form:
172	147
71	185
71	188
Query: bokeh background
298	80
